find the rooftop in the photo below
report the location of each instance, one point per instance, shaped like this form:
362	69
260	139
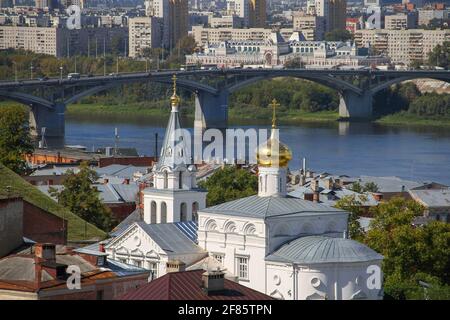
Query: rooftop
266	207
187	285
433	197
320	249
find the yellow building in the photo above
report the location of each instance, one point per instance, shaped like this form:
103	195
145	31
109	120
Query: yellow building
257	13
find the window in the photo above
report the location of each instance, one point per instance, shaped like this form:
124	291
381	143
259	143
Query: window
100	261
219	257
137	263
163	212
153	267
183	212
194	211
100	295
242	267
122	260
153	212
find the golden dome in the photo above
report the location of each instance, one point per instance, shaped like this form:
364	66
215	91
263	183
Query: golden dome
174	99
273	153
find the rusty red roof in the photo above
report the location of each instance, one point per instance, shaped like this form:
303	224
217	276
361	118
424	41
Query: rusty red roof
186	285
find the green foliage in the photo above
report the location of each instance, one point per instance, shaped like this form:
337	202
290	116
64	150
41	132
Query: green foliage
78	229
292	94
81	198
228	184
368	187
353	205
15	141
410	253
431	104
338	35
440	55
396	98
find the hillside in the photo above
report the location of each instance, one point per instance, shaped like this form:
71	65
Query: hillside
20	187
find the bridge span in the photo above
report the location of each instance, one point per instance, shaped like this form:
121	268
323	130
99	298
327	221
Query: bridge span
48	99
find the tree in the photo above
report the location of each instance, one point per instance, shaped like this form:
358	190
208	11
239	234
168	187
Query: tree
370	187
356	187
353	204
410	253
81	198
338	35
440	55
228	184
15	140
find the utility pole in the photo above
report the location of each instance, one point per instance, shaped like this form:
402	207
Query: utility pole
104	57
60	72
89	47
15	71
75	64
117	65
31	70
96	48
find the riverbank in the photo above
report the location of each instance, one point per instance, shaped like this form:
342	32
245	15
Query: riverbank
405	118
160	110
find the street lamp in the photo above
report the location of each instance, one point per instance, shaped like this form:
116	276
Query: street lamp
15	71
60	71
31	71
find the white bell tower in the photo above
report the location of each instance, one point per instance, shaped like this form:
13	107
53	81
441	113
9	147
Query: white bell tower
174	196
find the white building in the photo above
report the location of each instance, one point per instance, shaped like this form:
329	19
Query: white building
144	32
285	247
175	196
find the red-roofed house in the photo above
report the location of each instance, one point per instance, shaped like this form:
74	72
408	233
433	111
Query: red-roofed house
194	285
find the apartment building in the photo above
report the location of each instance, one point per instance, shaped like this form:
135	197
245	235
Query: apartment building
59	41
232	21
402	46
144	32
426	15
303	22
204	35
401	21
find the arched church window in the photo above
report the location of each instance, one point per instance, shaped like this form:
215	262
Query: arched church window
163	212
166	180
195	211
153	212
183	212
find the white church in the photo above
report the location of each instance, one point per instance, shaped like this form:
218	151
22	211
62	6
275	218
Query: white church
285	247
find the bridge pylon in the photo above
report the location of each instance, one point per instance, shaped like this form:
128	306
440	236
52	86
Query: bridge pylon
355	106
50	118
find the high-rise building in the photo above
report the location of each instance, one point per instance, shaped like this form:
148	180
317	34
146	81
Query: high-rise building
303	22
143	32
401	21
257	13
338	14
174	16
240	8
334	13
402	46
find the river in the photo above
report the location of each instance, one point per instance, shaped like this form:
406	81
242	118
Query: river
414	153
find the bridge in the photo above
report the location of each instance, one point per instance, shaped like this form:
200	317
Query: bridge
48	99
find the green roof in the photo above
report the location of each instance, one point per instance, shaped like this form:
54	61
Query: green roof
20	187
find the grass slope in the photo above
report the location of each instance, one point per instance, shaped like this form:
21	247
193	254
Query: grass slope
20	187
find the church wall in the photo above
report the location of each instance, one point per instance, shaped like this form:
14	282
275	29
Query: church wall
235	238
341	281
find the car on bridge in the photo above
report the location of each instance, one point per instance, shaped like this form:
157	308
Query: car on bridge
73	75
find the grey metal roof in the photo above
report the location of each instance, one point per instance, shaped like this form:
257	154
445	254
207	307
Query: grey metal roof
390	184
122	171
189	229
170	237
319	249
109	193
123	269
20	268
266	207
432	197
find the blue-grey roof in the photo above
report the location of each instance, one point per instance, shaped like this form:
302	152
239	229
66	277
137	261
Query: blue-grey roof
123	269
390	184
109	193
121	171
437	198
319	249
266	207
189	229
172	237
